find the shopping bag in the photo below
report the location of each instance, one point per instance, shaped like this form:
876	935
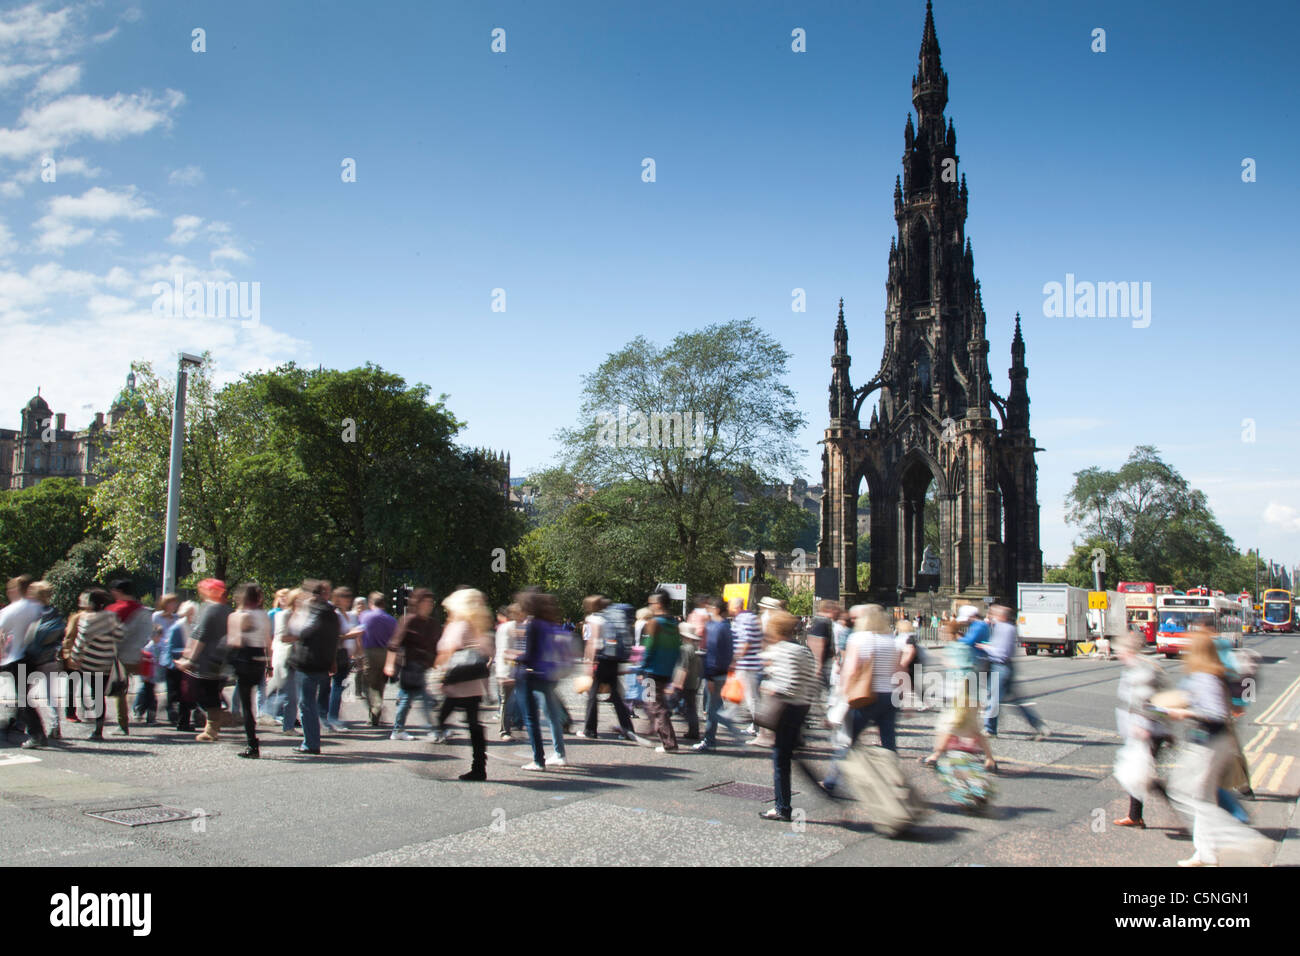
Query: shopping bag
1135	768
733	690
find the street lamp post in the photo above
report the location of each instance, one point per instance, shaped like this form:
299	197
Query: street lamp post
174	472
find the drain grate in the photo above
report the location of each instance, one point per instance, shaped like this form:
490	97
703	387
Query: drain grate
143	816
742	791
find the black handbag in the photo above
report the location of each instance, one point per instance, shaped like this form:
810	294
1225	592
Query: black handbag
466	664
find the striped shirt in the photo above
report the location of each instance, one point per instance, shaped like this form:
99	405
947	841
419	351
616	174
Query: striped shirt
96	644
748	641
883	651
792	672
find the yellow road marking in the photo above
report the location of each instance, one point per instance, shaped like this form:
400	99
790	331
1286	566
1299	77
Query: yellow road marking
1264	744
1257	774
1281	701
1276	781
1254	740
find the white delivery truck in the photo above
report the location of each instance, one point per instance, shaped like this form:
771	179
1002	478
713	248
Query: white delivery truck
1052	617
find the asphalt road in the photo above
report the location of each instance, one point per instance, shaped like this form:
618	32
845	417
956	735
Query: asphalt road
371	801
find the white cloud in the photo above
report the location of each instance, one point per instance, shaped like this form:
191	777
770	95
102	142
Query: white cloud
228	252
1282	516
64	121
59	229
118	278
58	80
101	204
185	176
11	73
57	235
35	31
185	229
108	304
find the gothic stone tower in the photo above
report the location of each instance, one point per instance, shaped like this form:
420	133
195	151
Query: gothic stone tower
933	423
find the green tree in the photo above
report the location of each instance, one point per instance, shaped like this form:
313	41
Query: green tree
216	507
1078	569
39	524
1149	512
774	524
351	475
688	430
607	540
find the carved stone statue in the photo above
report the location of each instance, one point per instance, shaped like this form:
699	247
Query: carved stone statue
760	565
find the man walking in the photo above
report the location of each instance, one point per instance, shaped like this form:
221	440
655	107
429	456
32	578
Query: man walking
662	654
718	649
748	637
1001	650
607	645
313	659
377	627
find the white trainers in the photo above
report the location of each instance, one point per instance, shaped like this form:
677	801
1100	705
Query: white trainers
557	761
533	765
400	735
436	737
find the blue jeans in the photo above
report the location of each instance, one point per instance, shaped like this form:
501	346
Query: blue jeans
1228	801
283	704
540	694
404	700
788	731
713	711
1001	677
309	688
332	693
880	712
146	702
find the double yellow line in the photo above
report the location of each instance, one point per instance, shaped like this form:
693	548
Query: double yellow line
1268	771
1283	700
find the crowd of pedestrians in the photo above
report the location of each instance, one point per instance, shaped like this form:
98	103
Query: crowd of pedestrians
764	675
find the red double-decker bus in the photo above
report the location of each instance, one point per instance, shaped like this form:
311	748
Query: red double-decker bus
1140	606
1278	614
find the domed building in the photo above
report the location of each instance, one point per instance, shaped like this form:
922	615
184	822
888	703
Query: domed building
43	447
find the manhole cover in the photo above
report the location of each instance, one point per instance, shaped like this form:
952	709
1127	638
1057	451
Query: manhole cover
743	791
143	816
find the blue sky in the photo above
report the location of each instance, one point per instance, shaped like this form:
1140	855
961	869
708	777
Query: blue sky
522	171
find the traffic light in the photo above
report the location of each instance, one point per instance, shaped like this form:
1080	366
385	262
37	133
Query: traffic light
400	594
184	560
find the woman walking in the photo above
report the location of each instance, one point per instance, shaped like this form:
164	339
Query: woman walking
282	684
961	718
535	675
416	638
94	649
464	649
872	645
1206	752
248	635
791	685
1143	729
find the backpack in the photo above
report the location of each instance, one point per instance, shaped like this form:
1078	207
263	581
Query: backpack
616	633
557	653
47	638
